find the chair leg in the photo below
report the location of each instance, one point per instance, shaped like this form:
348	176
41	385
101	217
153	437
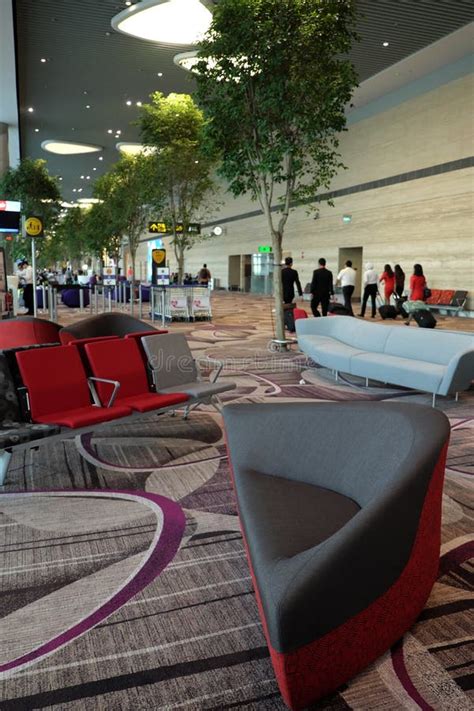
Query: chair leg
456	397
5	457
336	375
433	402
366	382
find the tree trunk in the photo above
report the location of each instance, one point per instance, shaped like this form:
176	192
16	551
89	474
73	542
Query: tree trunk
277	286
133	254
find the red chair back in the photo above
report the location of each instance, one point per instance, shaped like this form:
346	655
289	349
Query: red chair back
55	379
299	313
120	360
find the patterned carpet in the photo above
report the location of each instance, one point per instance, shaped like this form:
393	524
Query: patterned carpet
125	584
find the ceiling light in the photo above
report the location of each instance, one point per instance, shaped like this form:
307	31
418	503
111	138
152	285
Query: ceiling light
139	103
79	190
68	147
118	131
166	21
133	149
36	130
60	178
384	44
88	106
89	201
43	60
160	74
94	168
74	190
128	3
88	177
30	109
109	130
129	103
101	157
82	177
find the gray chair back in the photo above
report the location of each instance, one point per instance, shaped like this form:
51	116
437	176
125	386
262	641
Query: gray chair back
170	359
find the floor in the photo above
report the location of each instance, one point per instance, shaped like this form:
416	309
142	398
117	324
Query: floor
125	583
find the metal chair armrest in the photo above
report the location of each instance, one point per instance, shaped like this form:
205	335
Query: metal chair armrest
95	396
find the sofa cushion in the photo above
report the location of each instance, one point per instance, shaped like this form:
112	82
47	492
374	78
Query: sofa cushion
334	355
272	506
423	345
417	374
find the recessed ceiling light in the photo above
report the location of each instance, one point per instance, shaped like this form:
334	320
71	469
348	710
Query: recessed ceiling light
43	60
384	44
160	74
88	177
60	178
94	168
139	103
74	190
196	161
164	21
118	131
30	109
68	147
109	130
88	106
129	103
79	190
101	157
36	130
134	148
128	3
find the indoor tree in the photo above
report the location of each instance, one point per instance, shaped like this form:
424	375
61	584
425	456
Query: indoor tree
174	127
128	191
274	79
101	233
38	192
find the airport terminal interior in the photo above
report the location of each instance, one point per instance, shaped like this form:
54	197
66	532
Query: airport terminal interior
236	355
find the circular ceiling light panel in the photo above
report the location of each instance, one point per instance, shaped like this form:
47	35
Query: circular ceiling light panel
165	21
133	149
186	60
89	201
68	148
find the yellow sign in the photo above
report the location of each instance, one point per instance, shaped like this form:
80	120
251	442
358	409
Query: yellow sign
159	227
34	227
159	256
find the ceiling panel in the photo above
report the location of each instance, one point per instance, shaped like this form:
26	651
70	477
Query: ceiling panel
90	64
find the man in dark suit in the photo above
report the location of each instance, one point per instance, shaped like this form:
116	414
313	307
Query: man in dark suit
289	278
321	288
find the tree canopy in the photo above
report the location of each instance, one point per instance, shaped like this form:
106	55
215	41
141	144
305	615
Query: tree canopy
274	79
174	127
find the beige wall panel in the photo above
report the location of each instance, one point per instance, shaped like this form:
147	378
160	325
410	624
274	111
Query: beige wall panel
429	220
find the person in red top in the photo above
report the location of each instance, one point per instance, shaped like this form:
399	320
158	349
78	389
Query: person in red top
417	284
388	278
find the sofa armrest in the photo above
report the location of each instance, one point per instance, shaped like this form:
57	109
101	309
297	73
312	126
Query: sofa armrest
459	373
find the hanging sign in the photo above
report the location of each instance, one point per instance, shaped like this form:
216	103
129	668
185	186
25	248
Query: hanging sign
34	226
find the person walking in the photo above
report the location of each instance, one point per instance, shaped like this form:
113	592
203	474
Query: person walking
370	289
290	278
399	280
321	288
417	284
388	279
204	275
347	279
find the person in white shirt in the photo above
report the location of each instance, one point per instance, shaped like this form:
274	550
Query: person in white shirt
25	275
347	279
370	284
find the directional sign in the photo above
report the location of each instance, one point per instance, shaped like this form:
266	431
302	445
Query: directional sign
157	227
34	226
265	249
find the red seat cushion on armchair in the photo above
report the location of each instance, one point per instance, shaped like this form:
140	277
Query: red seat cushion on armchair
58	389
122	361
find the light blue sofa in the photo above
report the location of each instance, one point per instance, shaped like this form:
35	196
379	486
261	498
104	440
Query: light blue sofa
438	362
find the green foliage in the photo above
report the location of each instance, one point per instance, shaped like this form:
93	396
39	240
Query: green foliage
274	81
38	192
129	192
101	232
174	126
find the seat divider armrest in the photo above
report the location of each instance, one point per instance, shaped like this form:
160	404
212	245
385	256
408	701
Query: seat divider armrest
95	396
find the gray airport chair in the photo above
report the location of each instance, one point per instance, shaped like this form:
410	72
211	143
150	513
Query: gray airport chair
174	370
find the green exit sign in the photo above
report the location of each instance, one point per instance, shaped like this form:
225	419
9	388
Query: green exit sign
264	248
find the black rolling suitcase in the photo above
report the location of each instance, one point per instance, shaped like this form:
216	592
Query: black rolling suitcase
388	311
424	319
337	309
399	301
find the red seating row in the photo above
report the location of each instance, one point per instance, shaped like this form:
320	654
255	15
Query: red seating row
61	380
